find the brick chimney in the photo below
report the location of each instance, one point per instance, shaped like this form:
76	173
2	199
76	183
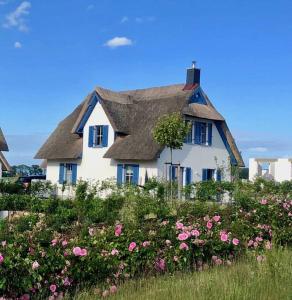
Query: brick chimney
193	78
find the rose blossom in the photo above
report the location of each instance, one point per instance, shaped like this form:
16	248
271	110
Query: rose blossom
1	258
3	243
209	224
64	243
118	230
224	237
53	288
146	244
183	236
216	218
132	246
114	252
91	231
54	242
35	265
167	242
195	232
250	243
183	246
235	241
179	225
160	264
264	201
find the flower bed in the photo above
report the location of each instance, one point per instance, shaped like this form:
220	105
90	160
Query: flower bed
129	236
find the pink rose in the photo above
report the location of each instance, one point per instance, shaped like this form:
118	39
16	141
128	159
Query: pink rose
54	242
183	236
160	264
53	288
179	225
76	251
235	241
64	243
35	265
66	281
209	225
1	258
224	237
132	246
195	232
250	243
114	252
24	297
216	218
118	230
146	244
264	201
175	258
218	261
83	252
183	246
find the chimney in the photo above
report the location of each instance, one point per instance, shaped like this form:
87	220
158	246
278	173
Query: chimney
193	77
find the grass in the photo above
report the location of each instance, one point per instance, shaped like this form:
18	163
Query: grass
245	280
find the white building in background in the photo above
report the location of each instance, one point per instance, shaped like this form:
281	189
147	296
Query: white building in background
278	169
109	135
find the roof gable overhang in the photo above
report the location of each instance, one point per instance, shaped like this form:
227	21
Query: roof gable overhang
4	162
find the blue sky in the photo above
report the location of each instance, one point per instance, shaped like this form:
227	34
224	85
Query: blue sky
53	53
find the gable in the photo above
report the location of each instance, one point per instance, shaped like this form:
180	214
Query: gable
198	97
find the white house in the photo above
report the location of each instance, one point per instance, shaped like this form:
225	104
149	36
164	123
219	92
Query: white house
4	165
109	135
278	169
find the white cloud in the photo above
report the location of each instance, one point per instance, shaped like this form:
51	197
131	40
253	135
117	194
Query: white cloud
16	18
17	45
124	19
118	42
258	149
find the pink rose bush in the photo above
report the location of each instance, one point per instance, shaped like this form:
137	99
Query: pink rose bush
108	251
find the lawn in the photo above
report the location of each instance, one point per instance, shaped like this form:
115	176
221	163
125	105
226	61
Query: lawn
247	279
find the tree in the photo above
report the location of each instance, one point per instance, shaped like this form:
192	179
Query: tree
171	131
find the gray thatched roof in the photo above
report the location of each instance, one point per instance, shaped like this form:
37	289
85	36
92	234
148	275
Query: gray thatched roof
3	144
133	113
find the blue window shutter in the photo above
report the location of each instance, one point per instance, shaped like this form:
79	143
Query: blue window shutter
120	174
104	136
173	173
135	174
218	175
205	175
74	173
210	134
90	137
188	176
197	133
61	173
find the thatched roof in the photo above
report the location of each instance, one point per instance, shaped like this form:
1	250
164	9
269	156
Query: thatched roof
3	144
134	114
4	162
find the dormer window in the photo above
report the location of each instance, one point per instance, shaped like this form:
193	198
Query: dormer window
200	133
98	136
198	97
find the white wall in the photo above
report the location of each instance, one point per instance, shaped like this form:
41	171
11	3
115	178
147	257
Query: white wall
280	168
199	157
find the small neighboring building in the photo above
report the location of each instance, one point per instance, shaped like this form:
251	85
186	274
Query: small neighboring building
109	135
4	165
278	169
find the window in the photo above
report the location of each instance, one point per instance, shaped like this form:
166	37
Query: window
208	174
128	174
68	174
200	133
98	136
198	97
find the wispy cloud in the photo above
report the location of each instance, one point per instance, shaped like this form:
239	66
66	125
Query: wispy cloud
17	45
258	149
124	19
118	42
16	18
